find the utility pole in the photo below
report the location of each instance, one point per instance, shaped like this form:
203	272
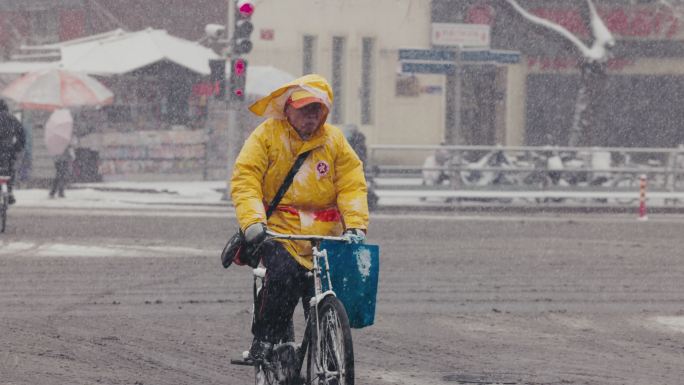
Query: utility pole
238	20
452	120
232	131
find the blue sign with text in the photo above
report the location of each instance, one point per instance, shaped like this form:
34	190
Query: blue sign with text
466	55
427	54
488	56
427	68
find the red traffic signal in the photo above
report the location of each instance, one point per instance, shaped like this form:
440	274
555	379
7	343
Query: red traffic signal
243	27
238	79
239	66
245	7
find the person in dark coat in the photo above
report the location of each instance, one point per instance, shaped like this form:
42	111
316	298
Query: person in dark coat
63	163
357	141
12	141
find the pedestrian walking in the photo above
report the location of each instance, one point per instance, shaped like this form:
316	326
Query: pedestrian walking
63	164
12	141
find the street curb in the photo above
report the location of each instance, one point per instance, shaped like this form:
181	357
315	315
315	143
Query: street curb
124	189
526	209
425	208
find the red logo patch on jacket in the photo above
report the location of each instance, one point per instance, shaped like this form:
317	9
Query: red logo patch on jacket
322	168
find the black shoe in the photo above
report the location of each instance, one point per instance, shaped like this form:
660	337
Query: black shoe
259	350
11	200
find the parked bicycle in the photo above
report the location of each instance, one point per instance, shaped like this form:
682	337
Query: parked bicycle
4	201
327	341
630	181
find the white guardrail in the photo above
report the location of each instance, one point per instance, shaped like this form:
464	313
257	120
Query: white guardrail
545	174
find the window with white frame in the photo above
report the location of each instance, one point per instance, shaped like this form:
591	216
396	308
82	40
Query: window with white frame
367	79
308	54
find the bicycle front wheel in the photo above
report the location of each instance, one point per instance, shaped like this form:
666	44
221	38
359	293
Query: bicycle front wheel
330	359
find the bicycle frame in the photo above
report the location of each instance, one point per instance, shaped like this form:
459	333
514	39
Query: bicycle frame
319	294
4	200
317	272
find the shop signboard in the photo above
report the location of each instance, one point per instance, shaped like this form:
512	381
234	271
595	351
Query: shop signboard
444	61
460	35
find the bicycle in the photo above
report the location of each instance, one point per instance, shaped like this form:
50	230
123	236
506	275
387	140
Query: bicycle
4	201
327	340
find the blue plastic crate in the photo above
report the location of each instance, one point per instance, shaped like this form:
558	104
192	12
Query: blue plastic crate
354	270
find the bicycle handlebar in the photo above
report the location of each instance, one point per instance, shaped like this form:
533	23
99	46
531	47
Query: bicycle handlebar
312	238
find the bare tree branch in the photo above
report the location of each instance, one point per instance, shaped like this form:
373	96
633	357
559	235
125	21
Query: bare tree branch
603	39
550	25
592	70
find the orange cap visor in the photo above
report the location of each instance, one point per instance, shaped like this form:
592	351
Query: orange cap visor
301	98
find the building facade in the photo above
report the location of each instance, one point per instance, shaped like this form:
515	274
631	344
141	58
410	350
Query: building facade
641	103
354	44
36	22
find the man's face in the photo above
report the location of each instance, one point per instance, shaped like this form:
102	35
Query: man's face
307	119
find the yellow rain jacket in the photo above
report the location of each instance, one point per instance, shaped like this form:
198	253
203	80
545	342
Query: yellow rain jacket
328	193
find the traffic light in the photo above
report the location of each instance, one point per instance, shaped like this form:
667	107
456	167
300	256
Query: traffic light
218	77
238	79
243	27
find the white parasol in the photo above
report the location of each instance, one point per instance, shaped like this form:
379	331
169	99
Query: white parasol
58	131
55	88
261	80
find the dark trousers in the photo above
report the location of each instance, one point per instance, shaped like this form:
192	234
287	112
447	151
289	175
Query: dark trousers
285	283
62	171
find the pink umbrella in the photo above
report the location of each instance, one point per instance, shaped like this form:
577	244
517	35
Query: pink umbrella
58	130
54	88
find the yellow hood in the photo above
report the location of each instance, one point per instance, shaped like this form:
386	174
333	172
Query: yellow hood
327	194
273	105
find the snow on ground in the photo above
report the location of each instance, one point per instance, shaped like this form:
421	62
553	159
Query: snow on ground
676	323
29	249
128	195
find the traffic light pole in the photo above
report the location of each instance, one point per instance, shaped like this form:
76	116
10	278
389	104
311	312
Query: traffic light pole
239	26
232	132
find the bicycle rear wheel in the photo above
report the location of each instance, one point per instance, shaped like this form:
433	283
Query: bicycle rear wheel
279	368
330	359
264	375
627	184
3	213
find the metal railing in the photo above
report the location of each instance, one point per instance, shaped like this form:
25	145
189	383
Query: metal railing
548	171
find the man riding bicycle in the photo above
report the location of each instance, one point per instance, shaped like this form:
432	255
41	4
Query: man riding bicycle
327	196
12	142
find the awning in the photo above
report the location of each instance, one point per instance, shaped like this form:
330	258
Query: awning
116	53
134	50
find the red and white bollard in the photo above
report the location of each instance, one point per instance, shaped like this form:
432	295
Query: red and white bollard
642	198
